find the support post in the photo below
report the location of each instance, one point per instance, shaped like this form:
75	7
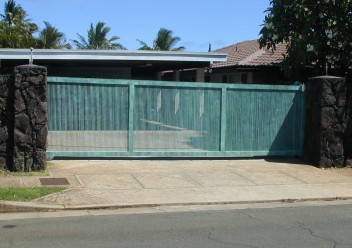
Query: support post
30	118
176	75
326	112
200	75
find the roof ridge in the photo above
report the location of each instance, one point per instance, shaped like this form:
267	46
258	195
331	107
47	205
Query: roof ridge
251	57
236	44
249	53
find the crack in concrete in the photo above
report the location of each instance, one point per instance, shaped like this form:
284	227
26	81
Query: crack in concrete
305	227
258	219
79	181
296	178
137	181
313	234
245	178
252	217
192	180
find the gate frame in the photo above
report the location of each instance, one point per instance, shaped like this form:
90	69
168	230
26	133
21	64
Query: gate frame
223	117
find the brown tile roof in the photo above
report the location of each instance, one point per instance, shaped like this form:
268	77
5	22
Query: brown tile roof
248	53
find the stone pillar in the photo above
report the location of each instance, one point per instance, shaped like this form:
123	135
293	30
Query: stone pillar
5	120
326	120
30	121
348	133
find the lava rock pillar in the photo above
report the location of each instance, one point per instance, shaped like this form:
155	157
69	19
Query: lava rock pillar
326	121
30	118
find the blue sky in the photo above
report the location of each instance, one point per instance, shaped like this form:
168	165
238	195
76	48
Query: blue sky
196	22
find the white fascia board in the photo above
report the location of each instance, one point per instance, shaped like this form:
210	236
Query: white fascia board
123	55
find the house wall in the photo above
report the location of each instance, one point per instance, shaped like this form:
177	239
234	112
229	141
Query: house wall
193	75
91	72
215	78
269	75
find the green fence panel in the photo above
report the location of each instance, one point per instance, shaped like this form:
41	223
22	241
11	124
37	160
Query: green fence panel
87	117
268	121
103	117
176	119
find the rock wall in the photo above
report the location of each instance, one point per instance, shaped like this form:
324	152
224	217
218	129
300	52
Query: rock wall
4	119
348	133
30	118
326	121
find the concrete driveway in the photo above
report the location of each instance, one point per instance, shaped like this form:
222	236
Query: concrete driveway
135	183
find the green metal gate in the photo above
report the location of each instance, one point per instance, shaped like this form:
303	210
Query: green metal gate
105	117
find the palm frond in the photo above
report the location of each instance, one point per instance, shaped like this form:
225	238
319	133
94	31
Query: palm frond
164	41
97	38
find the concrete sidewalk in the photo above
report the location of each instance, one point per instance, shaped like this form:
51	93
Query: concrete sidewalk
136	183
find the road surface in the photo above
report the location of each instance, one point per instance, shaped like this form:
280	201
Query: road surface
305	226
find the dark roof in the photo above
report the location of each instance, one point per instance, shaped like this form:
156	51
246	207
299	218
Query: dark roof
248	53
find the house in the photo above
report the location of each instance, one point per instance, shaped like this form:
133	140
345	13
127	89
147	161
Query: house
115	64
242	62
246	63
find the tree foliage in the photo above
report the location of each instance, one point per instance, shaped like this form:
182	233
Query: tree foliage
16	29
317	33
51	38
164	41
97	38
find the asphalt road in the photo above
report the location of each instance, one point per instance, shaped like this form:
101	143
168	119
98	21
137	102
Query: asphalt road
322	226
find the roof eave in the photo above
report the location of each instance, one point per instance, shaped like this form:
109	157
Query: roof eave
247	66
65	54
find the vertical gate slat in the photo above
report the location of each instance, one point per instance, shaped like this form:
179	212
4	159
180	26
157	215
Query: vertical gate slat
131	99
223	119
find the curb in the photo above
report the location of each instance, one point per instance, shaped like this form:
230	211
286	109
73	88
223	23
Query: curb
17	207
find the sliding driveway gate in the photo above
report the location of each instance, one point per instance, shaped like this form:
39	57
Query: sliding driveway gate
106	117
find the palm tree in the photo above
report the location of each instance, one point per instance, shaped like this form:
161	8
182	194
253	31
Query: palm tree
97	38
51	37
164	41
15	15
15	27
12	11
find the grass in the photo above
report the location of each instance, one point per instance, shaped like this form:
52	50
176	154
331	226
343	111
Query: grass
45	172
27	194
